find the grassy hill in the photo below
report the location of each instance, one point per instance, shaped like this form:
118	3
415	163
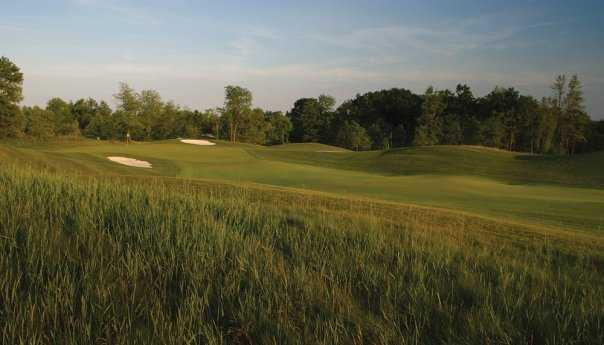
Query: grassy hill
155	260
298	244
563	192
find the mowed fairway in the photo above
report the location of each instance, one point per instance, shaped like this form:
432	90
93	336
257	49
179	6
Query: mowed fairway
562	192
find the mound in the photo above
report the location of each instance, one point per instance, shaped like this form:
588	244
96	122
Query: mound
131	162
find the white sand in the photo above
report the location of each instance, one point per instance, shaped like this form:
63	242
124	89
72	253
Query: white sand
131	162
197	142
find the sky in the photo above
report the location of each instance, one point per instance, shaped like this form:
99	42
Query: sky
285	50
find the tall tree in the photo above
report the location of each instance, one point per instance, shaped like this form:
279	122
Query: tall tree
128	100
237	106
389	116
429	127
452	131
559	88
213	116
279	127
352	136
574	118
493	131
39	123
66	123
253	127
311	119
84	110
570	111
101	123
151	108
11	83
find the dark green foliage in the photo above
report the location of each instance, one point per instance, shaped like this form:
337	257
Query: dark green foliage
452	131
11	119
390	118
493	131
11	83
352	136
429	125
40	123
65	121
594	137
101	122
237	110
279	127
253	127
311	119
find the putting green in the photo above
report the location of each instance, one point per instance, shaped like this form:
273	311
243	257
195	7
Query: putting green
556	191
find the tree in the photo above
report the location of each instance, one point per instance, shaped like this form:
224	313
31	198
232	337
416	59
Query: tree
213	116
539	125
151	108
452	132
306	120
279	127
39	123
101	123
254	127
66	123
429	125
570	109
11	83
559	88
575	118
594	137
389	116
312	119
504	104
165	125
548	124
352	136
493	131
128	100
237	106
83	110
326	103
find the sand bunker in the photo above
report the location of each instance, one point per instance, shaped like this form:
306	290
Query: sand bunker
131	162
198	142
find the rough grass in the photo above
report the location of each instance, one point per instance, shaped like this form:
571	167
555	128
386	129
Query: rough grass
156	261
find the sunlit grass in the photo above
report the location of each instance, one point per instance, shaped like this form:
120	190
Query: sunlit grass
149	260
543	190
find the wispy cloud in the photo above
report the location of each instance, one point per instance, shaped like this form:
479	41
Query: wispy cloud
253	41
127	12
446	40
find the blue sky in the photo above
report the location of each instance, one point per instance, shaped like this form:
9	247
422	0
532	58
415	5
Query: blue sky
284	50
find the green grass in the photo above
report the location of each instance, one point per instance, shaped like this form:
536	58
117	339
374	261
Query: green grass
562	192
154	260
241	244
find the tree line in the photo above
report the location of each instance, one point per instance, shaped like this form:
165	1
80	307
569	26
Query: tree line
383	119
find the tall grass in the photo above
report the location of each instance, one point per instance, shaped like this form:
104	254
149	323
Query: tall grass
150	261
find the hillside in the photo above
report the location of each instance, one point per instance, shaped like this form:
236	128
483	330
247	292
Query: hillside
480	181
579	170
153	260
